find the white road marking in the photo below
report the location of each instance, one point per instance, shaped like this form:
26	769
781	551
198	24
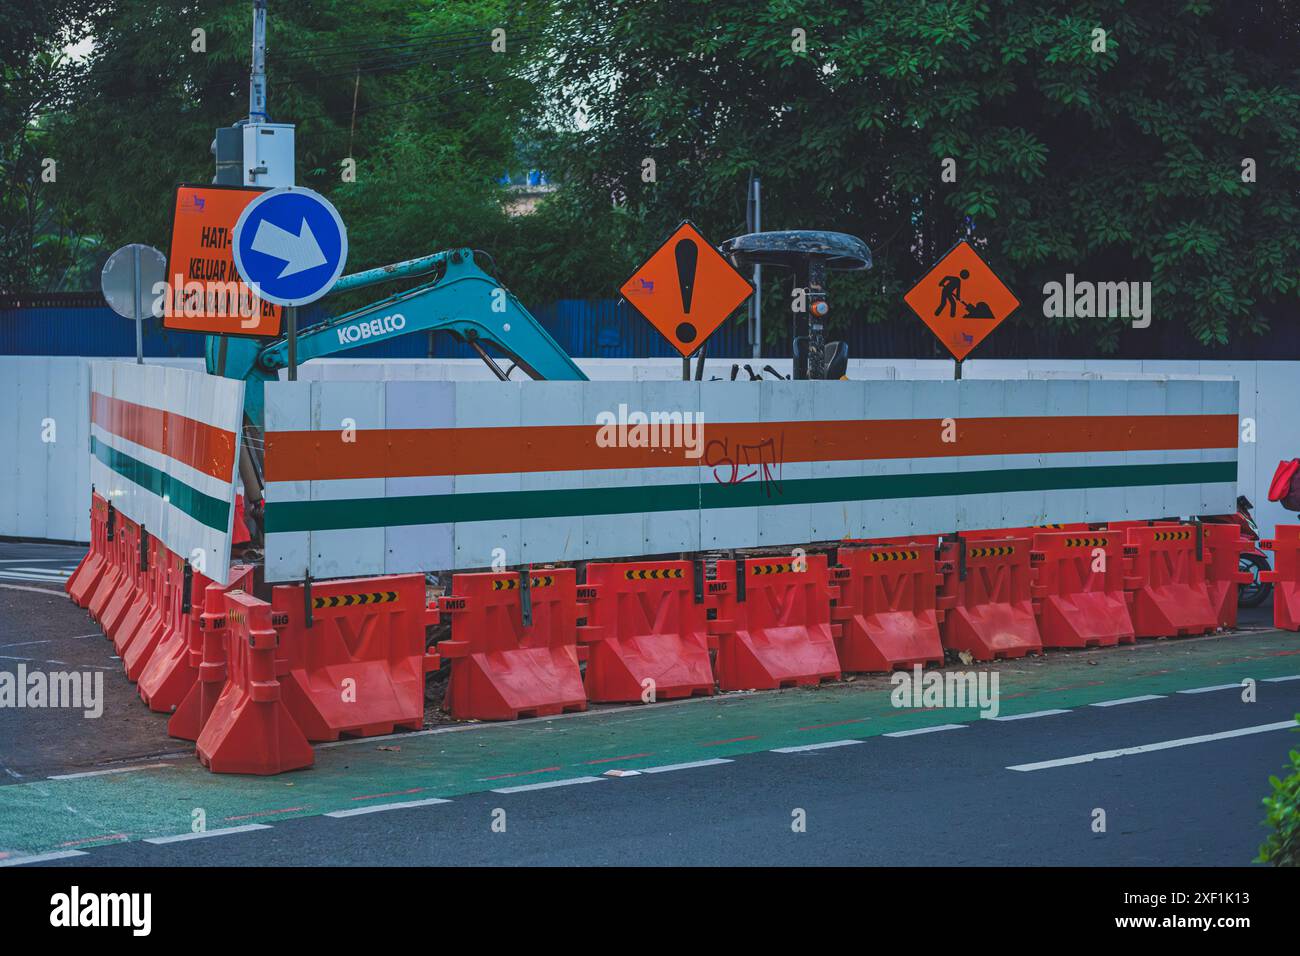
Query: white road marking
1127	700
23	644
224	831
380	807
1149	748
53	592
666	768
924	730
823	746
58	572
25	576
101	773
547	785
42	857
1278	680
1206	690
1030	715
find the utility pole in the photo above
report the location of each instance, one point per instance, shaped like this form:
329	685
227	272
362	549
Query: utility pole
257	77
754	222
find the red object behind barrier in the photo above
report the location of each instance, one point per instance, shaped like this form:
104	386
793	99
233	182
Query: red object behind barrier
171	671
1080	589
250	730
81	584
503	667
990	610
1285	576
774	625
1224	544
208	655
1170	599
644	624
359	669
888	609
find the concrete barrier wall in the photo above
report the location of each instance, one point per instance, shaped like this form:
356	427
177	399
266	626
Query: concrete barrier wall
44	485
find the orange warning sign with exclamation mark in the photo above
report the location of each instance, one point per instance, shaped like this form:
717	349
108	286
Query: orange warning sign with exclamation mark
686	289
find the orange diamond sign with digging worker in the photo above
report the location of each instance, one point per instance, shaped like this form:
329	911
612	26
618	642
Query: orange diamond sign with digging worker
686	289
961	300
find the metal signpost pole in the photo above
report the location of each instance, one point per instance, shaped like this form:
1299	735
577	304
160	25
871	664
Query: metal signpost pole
293	342
758	274
135	298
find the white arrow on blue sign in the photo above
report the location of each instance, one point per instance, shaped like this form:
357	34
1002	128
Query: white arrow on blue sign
290	245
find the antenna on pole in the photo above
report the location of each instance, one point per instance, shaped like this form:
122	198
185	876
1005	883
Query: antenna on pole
257	78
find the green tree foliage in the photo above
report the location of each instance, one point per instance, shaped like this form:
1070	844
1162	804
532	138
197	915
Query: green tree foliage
38	244
1117	164
1282	848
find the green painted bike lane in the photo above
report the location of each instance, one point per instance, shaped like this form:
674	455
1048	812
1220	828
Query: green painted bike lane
162	800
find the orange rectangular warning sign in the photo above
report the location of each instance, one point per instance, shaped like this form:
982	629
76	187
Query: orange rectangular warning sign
205	293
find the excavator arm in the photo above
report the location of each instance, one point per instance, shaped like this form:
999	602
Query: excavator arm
461	299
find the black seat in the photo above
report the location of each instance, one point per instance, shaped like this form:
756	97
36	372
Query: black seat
792	249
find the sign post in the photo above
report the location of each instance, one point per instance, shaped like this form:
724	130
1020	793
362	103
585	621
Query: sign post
127	281
685	290
962	300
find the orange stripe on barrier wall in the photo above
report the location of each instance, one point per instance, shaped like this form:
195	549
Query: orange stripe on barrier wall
728	447
203	447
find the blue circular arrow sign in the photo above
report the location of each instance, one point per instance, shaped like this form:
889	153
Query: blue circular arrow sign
290	245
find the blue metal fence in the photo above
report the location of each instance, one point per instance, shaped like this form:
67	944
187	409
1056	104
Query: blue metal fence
607	328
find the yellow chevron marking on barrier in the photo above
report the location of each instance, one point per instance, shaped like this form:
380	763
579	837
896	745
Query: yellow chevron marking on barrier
773	568
1172	535
651	574
895	555
997	551
235	616
354	600
1087	542
545	581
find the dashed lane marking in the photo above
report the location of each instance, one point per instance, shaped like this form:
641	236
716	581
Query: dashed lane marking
224	831
1149	748
1031	715
667	768
547	785
1127	700
1278	680
1207	690
380	808
924	730
42	857
104	773
822	746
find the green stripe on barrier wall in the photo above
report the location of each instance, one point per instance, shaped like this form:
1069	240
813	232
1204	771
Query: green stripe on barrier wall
635	499
209	511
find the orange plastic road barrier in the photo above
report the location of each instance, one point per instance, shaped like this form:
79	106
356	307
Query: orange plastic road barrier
250	729
1224	544
1285	576
647	632
987	590
81	584
887	610
513	647
774	623
128	593
170	673
139	646
1079	587
358	670
208	655
1170	598
117	535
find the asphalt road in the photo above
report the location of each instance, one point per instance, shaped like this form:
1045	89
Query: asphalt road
721	781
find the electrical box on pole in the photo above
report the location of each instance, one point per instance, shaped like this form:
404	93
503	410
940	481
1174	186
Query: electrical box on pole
255	152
